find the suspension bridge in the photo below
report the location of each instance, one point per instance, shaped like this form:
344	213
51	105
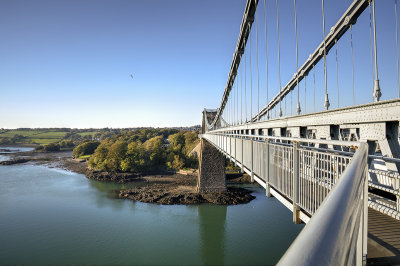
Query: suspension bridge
330	151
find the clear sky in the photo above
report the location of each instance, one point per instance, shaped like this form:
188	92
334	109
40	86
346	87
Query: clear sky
68	63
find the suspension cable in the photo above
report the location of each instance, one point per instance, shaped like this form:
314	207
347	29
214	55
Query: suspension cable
372	53
258	76
397	47
229	111
337	74
232	110
245	87
352	58
377	90
297	60
279	57
251	83
325	74
234	102
313	67
305	94
241	93
266	50
291	102
237	100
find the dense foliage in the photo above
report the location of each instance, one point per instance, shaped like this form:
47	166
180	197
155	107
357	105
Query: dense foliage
145	150
85	148
51	147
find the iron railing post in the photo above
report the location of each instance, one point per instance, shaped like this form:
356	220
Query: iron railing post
242	170
230	147
252	161
296	176
235	138
396	186
267	185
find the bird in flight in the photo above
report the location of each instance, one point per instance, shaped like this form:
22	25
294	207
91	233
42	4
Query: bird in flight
131	76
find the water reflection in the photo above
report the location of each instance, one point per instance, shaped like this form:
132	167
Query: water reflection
107	194
212	233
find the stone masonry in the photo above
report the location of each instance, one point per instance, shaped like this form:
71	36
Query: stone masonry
211	169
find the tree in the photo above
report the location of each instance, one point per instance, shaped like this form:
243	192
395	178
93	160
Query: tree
136	158
99	159
156	150
116	154
17	138
5	141
177	163
66	144
177	142
51	147
191	140
86	148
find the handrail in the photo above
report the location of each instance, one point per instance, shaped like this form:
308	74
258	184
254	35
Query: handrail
336	233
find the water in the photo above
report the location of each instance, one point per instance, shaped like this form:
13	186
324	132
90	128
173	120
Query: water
16	149
3	156
52	216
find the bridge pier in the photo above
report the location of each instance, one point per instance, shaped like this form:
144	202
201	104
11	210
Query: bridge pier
211	176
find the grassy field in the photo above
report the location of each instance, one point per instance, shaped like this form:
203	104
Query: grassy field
86	157
38	136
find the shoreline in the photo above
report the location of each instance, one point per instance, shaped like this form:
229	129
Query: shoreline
161	188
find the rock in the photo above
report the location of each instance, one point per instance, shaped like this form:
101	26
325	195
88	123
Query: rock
15	161
163	196
112	176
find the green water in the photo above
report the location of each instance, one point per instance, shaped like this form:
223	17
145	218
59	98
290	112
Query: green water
51	216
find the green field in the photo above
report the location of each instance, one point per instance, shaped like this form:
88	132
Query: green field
39	136
84	157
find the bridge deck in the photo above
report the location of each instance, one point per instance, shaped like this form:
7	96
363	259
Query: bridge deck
383	239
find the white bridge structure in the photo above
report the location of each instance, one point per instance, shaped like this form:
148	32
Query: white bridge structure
327	166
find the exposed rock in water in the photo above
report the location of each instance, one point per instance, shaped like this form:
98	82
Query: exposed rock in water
15	161
112	176
162	196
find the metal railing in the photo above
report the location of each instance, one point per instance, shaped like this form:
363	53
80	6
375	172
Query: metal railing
272	160
307	176
337	232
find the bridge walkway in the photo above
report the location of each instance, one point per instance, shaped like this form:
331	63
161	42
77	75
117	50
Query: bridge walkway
383	239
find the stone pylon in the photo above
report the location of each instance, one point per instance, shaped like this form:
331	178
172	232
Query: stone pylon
211	169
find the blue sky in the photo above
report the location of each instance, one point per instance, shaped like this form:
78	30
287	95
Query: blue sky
68	63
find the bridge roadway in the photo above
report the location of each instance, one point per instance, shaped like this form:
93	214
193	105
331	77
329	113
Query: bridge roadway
383	239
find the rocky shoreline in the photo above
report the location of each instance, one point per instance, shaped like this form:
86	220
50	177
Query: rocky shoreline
232	196
167	188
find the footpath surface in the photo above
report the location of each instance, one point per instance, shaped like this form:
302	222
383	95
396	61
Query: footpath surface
383	239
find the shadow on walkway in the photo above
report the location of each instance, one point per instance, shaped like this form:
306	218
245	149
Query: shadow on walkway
383	239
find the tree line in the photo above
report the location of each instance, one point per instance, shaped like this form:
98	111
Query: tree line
145	150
